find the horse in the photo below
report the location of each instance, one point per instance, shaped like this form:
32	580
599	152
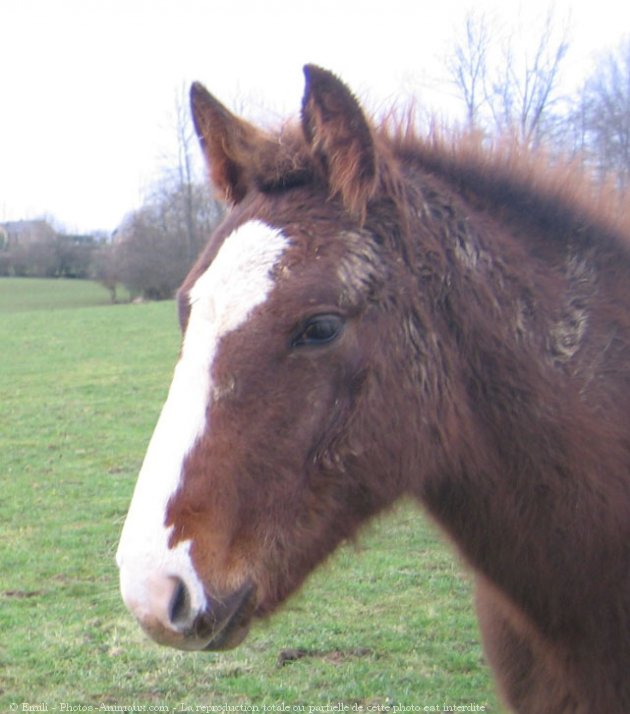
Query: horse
385	315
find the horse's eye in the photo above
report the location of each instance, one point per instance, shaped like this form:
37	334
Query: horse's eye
318	330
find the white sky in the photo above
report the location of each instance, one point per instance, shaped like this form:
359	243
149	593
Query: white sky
88	87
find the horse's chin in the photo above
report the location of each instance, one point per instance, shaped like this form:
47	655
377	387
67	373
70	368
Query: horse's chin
236	625
228	638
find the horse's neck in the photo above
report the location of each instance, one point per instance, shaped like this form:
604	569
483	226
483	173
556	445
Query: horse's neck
517	491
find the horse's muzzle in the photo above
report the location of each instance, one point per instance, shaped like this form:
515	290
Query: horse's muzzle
222	624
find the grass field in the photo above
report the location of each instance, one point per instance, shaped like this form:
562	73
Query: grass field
28	294
387	622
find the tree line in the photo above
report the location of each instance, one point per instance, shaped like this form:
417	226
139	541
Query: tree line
54	254
154	248
149	254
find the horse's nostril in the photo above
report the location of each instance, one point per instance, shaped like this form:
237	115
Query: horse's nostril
179	606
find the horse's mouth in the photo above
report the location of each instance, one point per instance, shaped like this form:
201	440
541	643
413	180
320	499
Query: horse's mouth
226	624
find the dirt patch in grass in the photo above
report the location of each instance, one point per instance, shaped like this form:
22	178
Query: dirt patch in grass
21	594
335	656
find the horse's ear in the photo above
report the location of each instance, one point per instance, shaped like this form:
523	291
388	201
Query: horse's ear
229	143
340	138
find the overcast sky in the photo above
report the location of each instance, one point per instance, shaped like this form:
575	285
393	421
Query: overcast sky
88	87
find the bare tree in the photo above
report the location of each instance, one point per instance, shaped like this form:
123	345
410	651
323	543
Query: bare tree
157	244
185	141
467	65
149	263
523	95
507	88
601	119
105	269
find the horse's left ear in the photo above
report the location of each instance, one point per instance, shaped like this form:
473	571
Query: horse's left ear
340	138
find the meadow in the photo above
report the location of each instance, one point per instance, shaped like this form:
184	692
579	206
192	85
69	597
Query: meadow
387	624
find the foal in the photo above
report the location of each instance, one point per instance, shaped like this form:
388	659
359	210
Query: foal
382	315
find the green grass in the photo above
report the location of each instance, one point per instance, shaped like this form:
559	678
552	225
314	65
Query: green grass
386	622
27	294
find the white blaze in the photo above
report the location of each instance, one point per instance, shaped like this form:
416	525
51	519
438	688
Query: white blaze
238	279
